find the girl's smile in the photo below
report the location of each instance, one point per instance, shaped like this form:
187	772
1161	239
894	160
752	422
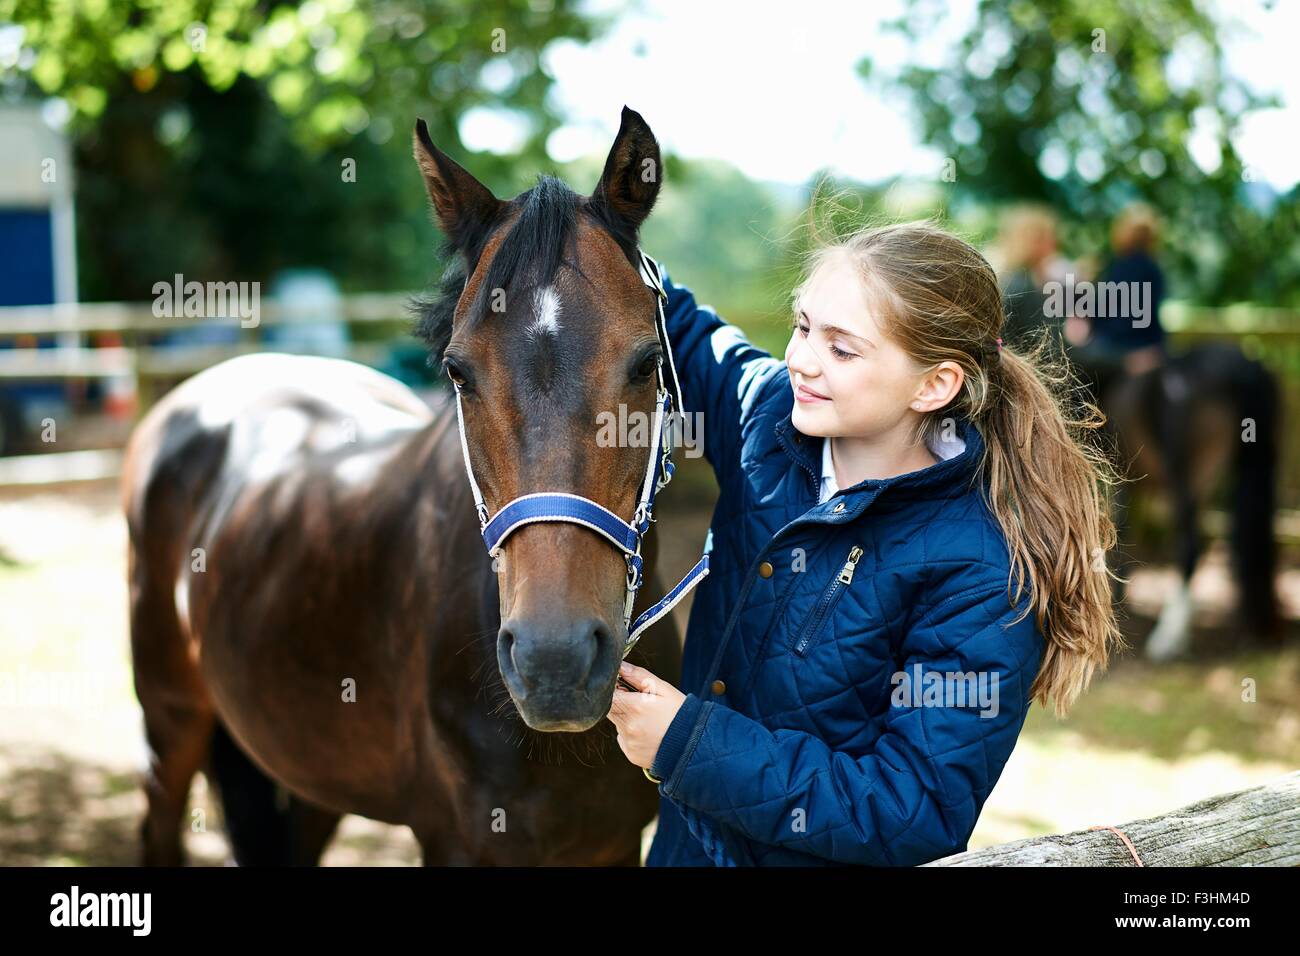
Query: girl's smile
804	394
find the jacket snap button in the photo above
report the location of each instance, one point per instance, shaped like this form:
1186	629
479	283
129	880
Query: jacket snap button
838	508
765	570
719	687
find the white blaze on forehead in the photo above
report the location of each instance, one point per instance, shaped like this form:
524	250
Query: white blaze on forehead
546	308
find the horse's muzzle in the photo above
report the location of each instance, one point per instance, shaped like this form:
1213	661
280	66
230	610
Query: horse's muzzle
559	673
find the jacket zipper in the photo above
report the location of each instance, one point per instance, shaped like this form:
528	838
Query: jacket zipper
837	587
750	576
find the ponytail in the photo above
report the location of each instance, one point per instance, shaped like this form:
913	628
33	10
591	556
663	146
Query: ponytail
1047	485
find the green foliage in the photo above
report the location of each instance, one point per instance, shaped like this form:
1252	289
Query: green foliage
1090	104
209	135
333	66
238	196
719	232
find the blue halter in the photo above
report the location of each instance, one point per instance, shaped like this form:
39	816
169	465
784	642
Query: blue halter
575	509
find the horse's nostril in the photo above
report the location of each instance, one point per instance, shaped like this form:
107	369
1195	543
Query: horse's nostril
606	651
506	653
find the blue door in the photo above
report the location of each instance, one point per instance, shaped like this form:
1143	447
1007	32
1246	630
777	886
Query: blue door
26	257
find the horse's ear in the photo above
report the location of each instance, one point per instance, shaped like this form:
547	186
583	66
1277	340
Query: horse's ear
633	171
464	207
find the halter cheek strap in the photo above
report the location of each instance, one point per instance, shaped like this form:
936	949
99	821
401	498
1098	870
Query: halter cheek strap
575	509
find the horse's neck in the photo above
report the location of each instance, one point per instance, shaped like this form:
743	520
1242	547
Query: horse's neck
444	547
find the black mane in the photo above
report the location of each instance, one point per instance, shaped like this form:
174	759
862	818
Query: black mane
533	249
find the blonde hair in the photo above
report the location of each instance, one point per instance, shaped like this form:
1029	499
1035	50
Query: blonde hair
1020	235
1046	481
1136	227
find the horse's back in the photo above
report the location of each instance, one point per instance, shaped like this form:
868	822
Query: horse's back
264	504
255	416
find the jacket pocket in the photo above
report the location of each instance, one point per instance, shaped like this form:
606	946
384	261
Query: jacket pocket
810	633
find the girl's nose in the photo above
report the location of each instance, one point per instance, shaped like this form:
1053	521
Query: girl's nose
802	359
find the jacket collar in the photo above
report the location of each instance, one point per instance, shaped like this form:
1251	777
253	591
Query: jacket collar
944	478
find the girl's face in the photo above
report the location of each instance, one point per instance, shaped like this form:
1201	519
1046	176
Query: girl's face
849	380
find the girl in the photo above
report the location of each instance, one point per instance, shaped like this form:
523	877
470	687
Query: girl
908	549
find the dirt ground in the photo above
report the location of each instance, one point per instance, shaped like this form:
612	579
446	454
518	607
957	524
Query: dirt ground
1143	741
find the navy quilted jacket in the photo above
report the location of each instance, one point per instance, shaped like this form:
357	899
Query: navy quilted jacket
853	687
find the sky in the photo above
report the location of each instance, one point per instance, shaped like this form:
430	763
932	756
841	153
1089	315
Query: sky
780	98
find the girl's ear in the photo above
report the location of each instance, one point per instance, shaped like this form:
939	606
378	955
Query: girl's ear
938	387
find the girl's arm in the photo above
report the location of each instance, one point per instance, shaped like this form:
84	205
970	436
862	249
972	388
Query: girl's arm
914	798
721	372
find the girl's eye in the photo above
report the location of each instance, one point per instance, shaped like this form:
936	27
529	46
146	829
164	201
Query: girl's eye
839	353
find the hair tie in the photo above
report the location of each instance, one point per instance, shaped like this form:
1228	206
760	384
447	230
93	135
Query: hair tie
991	353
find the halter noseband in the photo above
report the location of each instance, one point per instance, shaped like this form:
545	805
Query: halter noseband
575	509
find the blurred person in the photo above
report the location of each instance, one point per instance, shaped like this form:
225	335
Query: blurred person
1030	258
1126	342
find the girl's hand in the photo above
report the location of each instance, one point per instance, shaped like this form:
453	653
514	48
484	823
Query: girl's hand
642	717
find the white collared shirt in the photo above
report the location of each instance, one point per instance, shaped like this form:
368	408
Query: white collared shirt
943	450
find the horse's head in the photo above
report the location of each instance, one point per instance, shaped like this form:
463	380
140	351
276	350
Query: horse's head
552	327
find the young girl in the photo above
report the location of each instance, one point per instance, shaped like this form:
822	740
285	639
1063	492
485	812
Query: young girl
908	549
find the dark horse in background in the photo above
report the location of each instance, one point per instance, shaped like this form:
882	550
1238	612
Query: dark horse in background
1203	414
312	605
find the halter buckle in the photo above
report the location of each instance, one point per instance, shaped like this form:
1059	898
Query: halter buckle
633	572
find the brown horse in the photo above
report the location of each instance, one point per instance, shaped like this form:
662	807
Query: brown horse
312	605
1204	419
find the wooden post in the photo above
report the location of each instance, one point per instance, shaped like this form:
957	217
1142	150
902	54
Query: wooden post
1255	827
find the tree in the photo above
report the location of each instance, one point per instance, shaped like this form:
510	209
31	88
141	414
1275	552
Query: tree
1089	104
210	135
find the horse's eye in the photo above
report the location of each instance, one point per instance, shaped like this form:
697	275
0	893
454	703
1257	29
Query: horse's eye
453	371
648	366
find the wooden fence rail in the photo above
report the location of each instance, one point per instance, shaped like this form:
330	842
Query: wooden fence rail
133	322
1255	827
1273	331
